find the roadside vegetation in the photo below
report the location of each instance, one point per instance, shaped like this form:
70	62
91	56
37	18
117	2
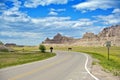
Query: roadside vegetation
22	55
25	48
42	48
100	53
29	54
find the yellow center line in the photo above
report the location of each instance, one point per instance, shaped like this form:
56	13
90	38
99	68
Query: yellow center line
38	69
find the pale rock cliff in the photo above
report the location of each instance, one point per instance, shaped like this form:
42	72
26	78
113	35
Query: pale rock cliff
90	39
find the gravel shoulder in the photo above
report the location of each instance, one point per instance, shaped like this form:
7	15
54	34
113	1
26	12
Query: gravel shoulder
101	73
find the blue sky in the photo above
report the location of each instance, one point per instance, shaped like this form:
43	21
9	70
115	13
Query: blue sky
29	22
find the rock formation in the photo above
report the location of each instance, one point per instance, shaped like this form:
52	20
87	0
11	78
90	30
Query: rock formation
90	39
107	34
3	48
59	39
10	45
113	31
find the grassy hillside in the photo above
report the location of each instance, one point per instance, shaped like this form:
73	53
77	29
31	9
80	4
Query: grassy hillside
21	57
26	48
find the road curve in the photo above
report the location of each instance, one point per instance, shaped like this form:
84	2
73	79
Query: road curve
64	66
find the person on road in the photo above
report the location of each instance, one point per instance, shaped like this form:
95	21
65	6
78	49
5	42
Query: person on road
51	49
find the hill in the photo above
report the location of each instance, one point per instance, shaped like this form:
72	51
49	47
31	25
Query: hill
59	39
3	48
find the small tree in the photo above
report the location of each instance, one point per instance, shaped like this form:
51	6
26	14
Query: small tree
42	48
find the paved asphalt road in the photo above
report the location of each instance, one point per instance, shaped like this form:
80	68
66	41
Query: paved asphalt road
64	66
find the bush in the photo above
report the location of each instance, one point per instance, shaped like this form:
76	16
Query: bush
42	48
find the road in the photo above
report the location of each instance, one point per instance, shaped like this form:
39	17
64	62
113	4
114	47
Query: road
65	66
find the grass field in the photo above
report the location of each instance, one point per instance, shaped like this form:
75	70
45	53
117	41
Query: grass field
100	53
21	57
26	48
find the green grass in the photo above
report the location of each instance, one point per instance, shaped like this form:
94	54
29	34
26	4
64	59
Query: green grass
25	48
100	53
16	58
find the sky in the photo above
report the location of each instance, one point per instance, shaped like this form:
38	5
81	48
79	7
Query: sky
29	22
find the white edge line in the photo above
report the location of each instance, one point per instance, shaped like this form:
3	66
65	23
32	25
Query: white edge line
88	70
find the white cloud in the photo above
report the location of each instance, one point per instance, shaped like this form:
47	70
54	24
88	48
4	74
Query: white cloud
111	19
62	22
2	7
35	3
17	5
117	10
91	5
83	23
57	10
52	22
53	13
13	14
23	28
49	19
61	10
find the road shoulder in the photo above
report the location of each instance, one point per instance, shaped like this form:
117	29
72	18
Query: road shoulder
101	73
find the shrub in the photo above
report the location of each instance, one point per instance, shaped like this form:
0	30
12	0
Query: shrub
42	48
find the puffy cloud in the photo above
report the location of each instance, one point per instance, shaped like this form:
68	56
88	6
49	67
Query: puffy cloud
16	4
91	5
83	23
53	13
14	16
62	22
117	10
53	22
111	19
49	20
35	3
2	7
57	10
